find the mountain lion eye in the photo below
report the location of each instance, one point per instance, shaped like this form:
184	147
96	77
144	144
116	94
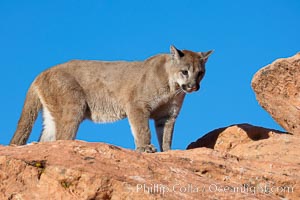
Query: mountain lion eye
185	72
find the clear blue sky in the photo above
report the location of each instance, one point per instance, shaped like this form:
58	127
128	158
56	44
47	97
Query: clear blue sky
246	35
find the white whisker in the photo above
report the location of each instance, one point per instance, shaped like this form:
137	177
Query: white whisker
178	91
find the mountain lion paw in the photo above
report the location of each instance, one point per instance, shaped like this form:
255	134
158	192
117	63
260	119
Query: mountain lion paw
147	149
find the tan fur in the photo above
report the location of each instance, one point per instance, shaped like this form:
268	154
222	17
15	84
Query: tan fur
110	91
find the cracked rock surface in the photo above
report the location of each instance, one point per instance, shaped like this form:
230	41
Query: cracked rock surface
82	170
277	89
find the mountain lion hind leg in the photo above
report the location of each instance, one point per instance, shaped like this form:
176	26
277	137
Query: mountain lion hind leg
64	106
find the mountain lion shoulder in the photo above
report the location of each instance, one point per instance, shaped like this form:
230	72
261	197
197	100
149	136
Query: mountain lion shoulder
109	91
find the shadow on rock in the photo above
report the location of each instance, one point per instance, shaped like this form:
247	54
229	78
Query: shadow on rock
228	137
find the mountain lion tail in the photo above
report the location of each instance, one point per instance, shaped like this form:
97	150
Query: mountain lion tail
30	111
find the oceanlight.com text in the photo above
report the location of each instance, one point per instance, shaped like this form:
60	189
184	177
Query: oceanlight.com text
213	188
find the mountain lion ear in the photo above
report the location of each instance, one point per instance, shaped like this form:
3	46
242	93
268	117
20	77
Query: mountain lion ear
175	53
205	55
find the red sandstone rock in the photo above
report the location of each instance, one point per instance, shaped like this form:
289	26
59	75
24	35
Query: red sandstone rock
263	149
227	138
81	170
277	89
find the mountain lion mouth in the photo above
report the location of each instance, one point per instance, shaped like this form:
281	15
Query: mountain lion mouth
188	89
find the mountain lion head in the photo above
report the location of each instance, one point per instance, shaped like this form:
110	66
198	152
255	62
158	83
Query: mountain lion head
189	68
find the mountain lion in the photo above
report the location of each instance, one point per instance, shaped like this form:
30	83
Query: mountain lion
108	91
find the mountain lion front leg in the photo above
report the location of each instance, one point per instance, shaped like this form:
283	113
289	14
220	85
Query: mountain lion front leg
164	130
139	123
